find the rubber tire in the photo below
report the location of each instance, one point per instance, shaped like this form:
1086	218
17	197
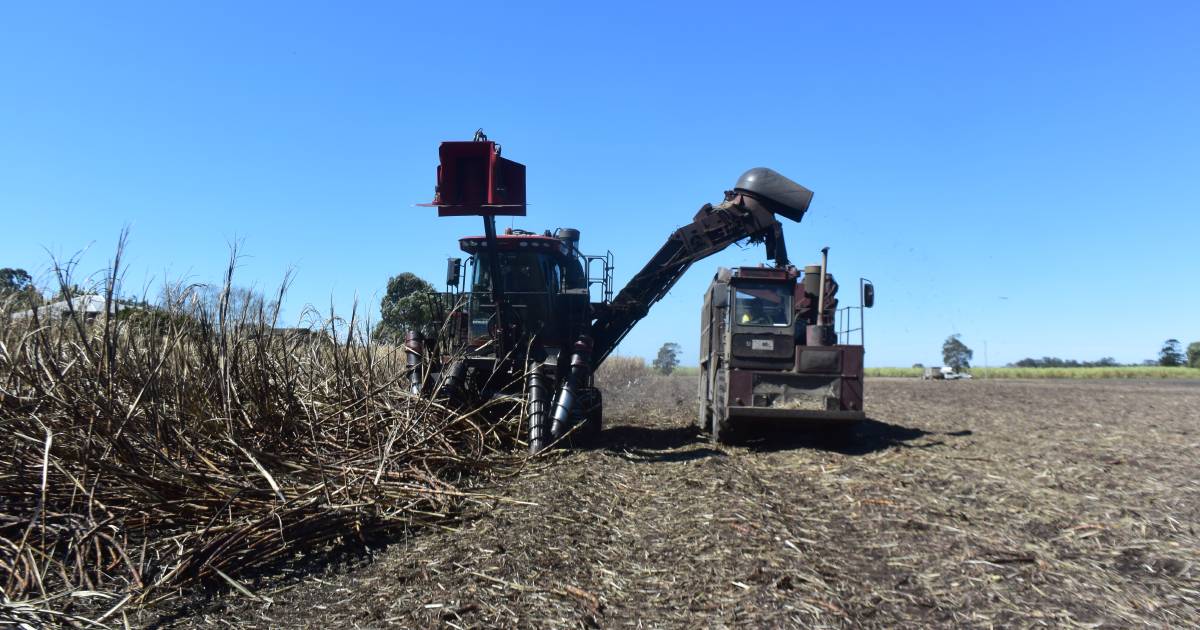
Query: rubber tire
720	428
592	403
703	420
538	413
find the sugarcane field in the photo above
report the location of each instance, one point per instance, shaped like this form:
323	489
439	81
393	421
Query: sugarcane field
546	315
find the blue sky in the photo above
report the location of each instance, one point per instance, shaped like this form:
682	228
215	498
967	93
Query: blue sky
1024	174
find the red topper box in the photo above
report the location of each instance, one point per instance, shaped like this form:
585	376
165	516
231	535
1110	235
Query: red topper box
473	179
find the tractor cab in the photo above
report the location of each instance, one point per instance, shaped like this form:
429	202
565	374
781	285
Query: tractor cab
543	281
763	317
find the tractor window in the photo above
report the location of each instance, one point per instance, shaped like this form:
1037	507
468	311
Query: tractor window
524	272
573	277
525	284
763	304
550	268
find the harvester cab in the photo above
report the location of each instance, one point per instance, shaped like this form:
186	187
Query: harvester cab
523	324
546	287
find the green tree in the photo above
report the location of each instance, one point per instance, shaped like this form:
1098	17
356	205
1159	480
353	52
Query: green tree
18	285
956	354
1193	354
667	359
242	305
410	304
1171	354
14	281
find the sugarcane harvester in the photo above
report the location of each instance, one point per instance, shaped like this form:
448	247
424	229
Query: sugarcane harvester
523	324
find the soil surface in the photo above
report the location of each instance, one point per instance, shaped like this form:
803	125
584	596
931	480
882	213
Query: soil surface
970	503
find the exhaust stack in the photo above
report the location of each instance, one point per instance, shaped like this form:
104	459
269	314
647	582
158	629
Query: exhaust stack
818	334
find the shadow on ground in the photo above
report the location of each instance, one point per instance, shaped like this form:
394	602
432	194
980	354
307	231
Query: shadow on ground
863	438
655	444
354	552
665	443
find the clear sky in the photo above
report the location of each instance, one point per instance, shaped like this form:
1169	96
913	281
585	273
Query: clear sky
1025	174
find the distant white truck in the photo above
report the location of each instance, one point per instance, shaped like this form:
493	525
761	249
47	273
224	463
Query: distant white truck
943	373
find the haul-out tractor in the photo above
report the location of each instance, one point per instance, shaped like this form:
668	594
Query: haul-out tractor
769	350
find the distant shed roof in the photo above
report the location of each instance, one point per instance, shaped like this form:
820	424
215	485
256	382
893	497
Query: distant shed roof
89	304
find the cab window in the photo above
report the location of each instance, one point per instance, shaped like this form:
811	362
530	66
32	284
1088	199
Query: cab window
525	284
763	304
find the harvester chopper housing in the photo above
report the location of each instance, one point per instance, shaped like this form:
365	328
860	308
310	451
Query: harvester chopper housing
522	322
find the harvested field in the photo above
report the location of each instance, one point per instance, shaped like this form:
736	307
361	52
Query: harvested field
1124	372
979	504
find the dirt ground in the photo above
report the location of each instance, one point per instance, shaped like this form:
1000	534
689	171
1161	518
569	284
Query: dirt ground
978	504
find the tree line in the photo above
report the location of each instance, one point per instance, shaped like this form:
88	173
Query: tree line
957	355
411	303
18	292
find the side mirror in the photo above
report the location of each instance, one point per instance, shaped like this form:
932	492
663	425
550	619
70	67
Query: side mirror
453	272
868	296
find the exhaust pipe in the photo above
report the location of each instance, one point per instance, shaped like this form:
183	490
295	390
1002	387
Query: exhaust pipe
817	335
821	293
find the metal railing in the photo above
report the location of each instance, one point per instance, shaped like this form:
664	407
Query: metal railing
602	276
845	318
